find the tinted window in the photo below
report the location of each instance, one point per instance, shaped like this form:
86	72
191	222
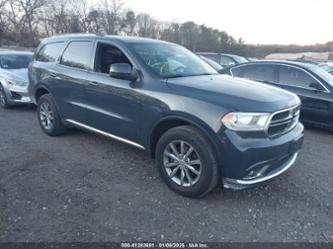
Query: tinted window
237	71
14	61
106	55
49	52
77	54
240	59
227	61
259	72
294	77
325	75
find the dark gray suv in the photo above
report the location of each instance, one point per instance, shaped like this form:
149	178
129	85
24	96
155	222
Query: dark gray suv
203	128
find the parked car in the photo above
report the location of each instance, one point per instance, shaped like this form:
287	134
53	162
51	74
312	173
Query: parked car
200	126
327	67
225	60
311	83
313	62
212	63
14	78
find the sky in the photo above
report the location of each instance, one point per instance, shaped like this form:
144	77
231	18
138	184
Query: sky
256	21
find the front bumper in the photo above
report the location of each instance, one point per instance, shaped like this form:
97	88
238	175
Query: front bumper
249	161
17	95
242	184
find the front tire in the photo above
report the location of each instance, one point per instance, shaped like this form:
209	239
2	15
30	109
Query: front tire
3	99
187	162
48	116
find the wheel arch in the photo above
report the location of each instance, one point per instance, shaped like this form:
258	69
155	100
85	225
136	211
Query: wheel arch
176	120
40	91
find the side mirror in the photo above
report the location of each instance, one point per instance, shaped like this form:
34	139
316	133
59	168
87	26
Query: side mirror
317	86
123	71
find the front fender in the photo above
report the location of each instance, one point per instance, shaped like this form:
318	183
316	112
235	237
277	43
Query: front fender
200	124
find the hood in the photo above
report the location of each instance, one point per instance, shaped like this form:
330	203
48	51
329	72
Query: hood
234	93
16	74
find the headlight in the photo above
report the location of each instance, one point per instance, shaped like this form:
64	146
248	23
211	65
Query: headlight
16	83
242	121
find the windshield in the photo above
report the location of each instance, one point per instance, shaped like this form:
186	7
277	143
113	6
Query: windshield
14	61
327	77
240	59
171	60
214	64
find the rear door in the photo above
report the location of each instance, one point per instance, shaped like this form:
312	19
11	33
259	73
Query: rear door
71	77
315	99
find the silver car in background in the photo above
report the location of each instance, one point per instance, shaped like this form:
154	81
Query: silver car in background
14	78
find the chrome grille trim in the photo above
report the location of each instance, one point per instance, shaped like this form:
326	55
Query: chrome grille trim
289	120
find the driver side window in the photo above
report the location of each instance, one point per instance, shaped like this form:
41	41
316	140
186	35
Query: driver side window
106	55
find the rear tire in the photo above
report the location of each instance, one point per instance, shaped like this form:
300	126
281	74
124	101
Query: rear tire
187	162
48	116
3	98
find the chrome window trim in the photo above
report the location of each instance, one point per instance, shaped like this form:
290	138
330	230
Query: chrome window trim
106	134
287	65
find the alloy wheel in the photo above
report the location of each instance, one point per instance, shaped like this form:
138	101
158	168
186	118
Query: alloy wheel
182	163
46	116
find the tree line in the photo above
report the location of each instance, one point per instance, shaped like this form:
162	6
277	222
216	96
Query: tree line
25	22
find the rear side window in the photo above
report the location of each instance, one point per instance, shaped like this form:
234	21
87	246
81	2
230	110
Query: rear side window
49	52
237	71
263	73
294	77
78	54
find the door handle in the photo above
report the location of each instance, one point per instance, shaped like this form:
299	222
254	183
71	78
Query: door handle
93	83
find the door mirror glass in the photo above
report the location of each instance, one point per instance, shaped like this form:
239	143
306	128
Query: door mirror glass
123	71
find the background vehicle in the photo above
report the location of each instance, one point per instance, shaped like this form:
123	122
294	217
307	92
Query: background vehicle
200	126
225	60
327	67
14	77
313	62
212	63
311	83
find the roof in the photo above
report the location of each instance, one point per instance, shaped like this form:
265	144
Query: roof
13	52
126	39
292	63
212	53
321	56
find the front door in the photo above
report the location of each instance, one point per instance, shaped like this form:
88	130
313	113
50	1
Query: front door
114	105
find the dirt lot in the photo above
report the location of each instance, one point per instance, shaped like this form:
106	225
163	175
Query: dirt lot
82	187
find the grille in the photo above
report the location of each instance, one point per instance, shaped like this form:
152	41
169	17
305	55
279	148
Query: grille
283	121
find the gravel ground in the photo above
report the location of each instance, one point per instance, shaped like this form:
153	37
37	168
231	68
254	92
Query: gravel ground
83	187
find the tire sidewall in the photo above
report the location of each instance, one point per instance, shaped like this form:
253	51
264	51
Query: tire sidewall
57	124
208	162
4	106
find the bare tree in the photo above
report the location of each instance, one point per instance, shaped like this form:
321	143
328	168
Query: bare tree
147	26
111	21
130	22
